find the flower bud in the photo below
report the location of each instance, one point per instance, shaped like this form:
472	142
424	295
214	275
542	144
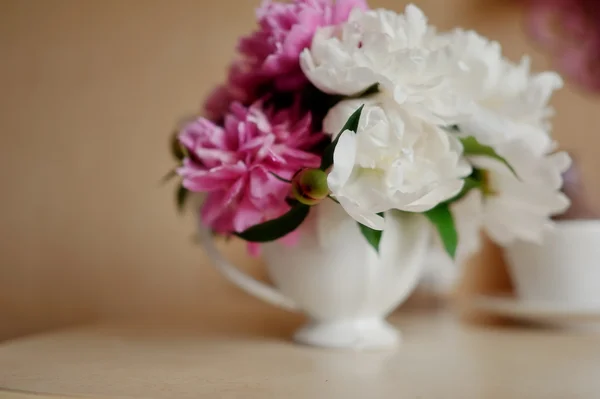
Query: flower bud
309	186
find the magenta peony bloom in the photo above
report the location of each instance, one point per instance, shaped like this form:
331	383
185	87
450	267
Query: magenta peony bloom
570	31
234	164
270	55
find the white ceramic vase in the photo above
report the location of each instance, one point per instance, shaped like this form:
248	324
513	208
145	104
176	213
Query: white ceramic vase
335	277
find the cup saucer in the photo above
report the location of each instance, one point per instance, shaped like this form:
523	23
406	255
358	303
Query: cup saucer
540	312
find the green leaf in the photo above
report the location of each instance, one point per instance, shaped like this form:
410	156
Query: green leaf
291	201
177	150
168	176
442	219
471	182
181	196
473	147
276	228
352	125
373	236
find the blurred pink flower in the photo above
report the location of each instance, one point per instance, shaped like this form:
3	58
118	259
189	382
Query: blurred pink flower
570	31
233	164
271	55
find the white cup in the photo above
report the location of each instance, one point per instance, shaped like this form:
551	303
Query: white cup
564	269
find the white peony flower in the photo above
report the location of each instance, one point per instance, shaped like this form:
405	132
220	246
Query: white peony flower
509	102
510	114
520	207
393	161
400	52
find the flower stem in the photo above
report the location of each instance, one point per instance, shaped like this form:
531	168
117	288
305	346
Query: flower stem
280	178
333	199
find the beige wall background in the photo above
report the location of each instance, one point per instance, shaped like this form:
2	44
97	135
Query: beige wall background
90	90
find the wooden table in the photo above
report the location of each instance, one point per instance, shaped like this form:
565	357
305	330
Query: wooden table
242	351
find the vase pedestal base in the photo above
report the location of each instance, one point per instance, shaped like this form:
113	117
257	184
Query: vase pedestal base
352	334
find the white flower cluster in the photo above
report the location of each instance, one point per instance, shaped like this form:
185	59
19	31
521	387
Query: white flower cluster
435	91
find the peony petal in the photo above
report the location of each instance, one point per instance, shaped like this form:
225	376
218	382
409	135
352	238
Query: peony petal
217	103
430	200
212	156
417	25
246	215
198	180
506	222
212	213
562	161
369	219
297	159
344	158
468	218
337	116
343	8
264	190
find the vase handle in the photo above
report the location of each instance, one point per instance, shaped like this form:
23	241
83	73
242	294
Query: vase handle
248	284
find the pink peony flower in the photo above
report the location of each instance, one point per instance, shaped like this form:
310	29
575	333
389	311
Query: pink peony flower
570	31
270	55
233	164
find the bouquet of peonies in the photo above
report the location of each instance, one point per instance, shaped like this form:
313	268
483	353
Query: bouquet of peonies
377	111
